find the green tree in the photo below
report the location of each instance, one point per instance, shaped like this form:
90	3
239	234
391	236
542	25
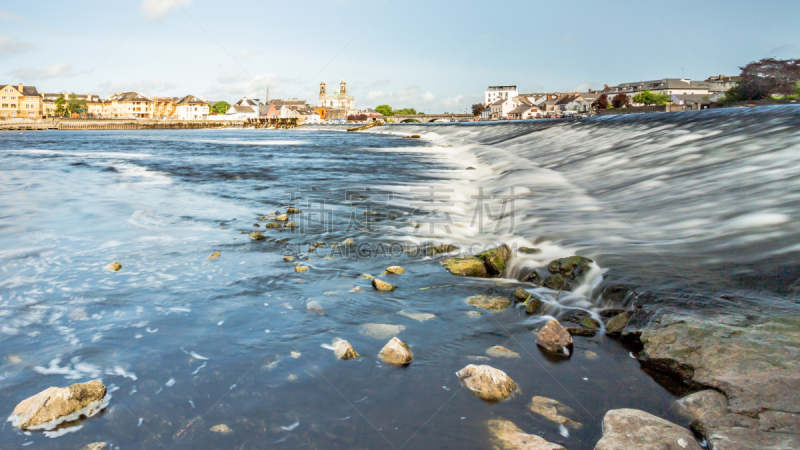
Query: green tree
477	109
386	110
76	106
405	111
60	110
220	107
648	98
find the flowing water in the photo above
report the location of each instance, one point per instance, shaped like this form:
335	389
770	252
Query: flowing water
700	205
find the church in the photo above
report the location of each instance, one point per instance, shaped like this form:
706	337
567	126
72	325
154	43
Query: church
339	100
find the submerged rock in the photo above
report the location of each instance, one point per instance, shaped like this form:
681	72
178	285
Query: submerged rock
281	218
558	282
533	277
442	248
489	302
625	429
396	352
114	267
553	411
256	236
288	258
189	430
555	339
221	429
507	436
57	403
381	330
468	267
533	305
343	350
617	324
590	323
585	332
95	446
315	306
366	276
397	270
529	251
293	211
214	255
565	266
422	317
348	241
495	260
301	268
291	225
501	352
487	382
521	295
272	225
382	285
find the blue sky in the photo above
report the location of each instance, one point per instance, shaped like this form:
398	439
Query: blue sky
432	55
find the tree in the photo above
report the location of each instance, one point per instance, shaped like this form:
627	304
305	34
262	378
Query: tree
648	98
477	109
767	77
601	102
405	111
220	107
60	110
620	100
75	106
386	110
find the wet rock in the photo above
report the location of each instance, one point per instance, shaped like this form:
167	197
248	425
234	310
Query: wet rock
610	313
590	323
189	430
315	306
347	242
257	225
533	305
748	439
56	403
584	332
214	255
281	218
290	225
470	168
114	267
415	136
293	211
95	446
396	352
422	317
704	404
617	324
590	355
256	236
343	350
487	382
381	330
288	258
382	285
507	436
301	268
521	295
529	251
574	315
489	302
533	277
366	275
479	358
501	352
625	429
553	411
779	422
565	266
558	282
474	313
468	267
554	338
319	245
272	225
397	270
617	295
442	248
221	429
495	260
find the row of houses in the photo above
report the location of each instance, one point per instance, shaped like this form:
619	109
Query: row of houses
505	102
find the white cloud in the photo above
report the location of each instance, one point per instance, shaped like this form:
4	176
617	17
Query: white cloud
229	76
428	96
144	87
9	44
254	87
455	101
36	73
372	95
156	10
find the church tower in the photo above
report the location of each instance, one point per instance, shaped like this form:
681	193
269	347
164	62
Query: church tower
343	90
323	94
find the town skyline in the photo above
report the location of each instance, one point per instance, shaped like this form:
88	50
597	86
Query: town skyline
175	48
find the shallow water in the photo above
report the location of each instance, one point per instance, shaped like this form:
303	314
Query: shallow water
230	341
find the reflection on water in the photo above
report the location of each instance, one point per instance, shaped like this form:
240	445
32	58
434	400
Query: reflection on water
234	351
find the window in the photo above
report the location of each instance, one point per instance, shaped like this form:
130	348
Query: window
13	98
5	97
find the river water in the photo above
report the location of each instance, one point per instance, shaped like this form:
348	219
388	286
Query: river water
700	206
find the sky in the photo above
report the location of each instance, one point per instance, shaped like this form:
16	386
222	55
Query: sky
432	55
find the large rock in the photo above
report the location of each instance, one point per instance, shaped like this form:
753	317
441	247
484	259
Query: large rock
487	382
396	352
617	323
521	295
740	438
256	236
704	404
628	429
468	267
57	403
495	260
490	302
343	350
507	436
553	411
566	266
382	285
499	351
554	338
396	270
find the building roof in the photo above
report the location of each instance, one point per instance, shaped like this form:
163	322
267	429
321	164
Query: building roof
129	97
245	102
243	109
502	88
498	102
522	109
26	90
191	100
663	84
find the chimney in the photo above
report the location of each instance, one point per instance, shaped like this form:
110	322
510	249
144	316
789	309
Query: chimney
605	86
20	89
204	98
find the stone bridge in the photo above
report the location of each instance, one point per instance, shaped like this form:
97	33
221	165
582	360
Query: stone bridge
400	118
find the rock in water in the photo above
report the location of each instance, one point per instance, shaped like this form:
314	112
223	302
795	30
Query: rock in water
529	251
288	258
495	260
617	324
501	352
521	295
487	382
468	267
533	305
256	236
381	330
555	339
315	306
590	323
300	268
291	225
585	332
565	266
553	411
114	267
704	404
625	429
533	277
397	270
189	430
442	248
382	285
272	225
95	446
507	436
489	302
293	211
221	429
343	350
214	255
54	403
396	352
282	218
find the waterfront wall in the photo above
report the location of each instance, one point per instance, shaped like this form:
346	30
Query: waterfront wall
116	124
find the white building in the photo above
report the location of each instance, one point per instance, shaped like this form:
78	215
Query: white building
499	109
191	108
669	86
495	93
244	109
339	99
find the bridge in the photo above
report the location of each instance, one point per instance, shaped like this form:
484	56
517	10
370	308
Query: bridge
427	118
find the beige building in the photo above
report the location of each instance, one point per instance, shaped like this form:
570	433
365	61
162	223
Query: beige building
165	107
339	99
20	102
128	105
94	104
